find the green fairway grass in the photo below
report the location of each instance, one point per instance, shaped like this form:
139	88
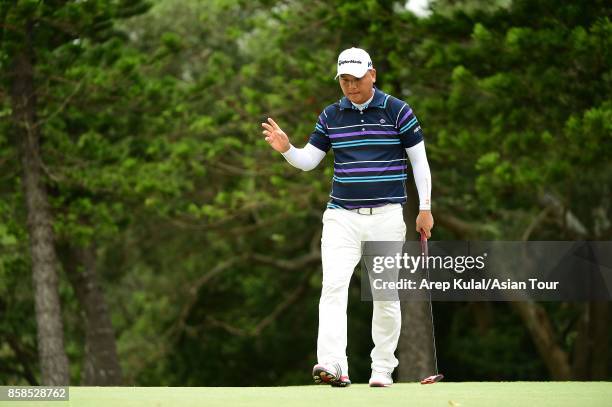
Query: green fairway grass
587	394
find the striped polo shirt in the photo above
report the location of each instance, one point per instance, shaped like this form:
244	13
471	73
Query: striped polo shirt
370	161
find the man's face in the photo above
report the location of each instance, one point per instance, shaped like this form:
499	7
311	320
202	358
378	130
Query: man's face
358	90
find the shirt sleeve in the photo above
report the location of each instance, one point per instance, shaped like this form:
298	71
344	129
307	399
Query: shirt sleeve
305	158
422	174
319	137
408	126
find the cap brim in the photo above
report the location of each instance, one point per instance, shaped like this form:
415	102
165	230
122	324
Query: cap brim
357	72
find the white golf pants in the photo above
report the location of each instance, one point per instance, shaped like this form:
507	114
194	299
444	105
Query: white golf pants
343	233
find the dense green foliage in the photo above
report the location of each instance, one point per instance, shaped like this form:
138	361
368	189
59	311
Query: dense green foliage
206	240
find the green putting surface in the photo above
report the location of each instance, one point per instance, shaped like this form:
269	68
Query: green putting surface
591	394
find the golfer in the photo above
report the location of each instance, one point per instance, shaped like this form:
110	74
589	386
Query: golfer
372	135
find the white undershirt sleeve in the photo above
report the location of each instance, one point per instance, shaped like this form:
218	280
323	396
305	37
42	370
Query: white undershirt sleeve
422	175
304	158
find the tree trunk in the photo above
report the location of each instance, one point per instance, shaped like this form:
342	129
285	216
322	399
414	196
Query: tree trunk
53	359
416	343
542	333
25	358
600	320
582	355
101	366
416	353
591	348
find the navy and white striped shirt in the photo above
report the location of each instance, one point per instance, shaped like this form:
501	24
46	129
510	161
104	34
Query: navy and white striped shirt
370	167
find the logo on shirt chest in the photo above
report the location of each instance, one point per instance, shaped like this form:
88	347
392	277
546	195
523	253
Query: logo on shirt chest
382	121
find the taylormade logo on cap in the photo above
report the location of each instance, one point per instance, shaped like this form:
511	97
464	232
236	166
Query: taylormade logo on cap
354	61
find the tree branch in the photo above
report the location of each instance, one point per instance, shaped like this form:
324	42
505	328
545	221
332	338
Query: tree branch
289	300
61	107
288	265
462	229
193	291
536	222
568	218
192	224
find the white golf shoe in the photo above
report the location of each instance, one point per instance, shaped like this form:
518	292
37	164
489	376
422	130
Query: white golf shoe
380	378
326	373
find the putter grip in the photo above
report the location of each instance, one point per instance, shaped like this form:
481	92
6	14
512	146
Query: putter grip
423	242
424	249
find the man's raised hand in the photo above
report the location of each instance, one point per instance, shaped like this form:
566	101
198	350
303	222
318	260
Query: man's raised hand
275	136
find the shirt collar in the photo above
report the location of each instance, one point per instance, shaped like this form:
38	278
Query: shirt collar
364	105
377	101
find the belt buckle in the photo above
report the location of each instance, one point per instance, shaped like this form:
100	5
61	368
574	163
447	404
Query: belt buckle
369	211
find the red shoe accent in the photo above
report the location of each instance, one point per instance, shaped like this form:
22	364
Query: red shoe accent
432	379
344	381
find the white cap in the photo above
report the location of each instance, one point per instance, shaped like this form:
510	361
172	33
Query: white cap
354	61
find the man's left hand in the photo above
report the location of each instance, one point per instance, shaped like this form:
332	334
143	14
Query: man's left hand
424	222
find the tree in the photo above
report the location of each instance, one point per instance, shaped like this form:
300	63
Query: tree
54	363
508	98
30	32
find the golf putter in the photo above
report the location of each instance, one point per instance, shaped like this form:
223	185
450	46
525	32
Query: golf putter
436	377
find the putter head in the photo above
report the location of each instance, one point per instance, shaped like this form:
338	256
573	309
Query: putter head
432	379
